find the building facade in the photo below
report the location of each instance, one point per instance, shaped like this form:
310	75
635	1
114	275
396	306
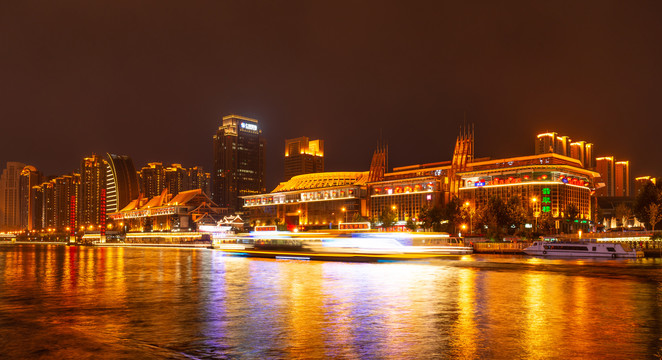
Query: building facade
605	166
239	161
622	178
152	179
30	178
303	156
121	182
10	197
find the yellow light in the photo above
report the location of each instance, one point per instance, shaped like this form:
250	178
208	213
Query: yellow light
467	204
343	209
534	199
464	226
393	207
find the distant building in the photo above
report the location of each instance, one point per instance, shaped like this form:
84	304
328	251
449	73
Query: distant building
64	201
641	181
30	178
175	178
198	179
239	161
10	199
303	156
622	178
152	179
551	142
605	166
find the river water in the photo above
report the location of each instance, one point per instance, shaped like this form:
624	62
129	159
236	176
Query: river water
149	303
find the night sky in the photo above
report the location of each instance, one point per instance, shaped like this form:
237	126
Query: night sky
152	79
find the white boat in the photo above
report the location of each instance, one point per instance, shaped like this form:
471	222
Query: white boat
581	249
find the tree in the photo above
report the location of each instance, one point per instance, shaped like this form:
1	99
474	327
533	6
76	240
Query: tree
515	214
411	225
387	218
452	213
572	213
623	213
359	218
431	217
649	194
654	215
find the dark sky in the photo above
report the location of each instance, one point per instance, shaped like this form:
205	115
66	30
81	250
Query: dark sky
152	79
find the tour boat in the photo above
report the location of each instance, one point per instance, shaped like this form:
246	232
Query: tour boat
360	246
581	249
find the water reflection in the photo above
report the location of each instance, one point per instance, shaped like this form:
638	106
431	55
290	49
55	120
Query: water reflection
179	303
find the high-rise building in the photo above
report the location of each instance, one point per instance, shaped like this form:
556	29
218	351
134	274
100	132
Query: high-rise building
582	151
92	190
303	156
198	179
121	182
30	177
65	191
546	143
641	181
152	179
622	178
10	199
239	160
175	178
605	166
563	145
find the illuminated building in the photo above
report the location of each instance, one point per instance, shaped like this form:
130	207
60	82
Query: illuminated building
554	181
65	190
605	166
641	181
318	199
545	143
196	178
93	181
10	199
175	177
303	156
121	182
167	212
30	177
622	178
239	155
152	179
551	142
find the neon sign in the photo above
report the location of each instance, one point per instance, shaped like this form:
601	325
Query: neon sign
248	126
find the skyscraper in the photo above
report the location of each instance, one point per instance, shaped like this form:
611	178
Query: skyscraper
605	166
303	156
641	181
10	214
175	178
546	143
622	178
92	190
152	179
30	177
121	182
239	159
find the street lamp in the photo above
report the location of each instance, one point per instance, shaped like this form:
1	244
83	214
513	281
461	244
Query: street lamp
535	210
345	211
471	217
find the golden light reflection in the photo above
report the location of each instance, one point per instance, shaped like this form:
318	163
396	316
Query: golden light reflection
464	329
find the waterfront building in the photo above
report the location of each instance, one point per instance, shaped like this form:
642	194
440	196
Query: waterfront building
44	209
167	212
303	156
64	203
605	166
152	179
547	184
239	158
317	199
121	182
30	178
92	200
546	143
641	181
10	197
622	178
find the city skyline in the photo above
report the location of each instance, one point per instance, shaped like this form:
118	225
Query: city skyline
92	78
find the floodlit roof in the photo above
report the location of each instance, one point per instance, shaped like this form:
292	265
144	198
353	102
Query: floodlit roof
323	180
